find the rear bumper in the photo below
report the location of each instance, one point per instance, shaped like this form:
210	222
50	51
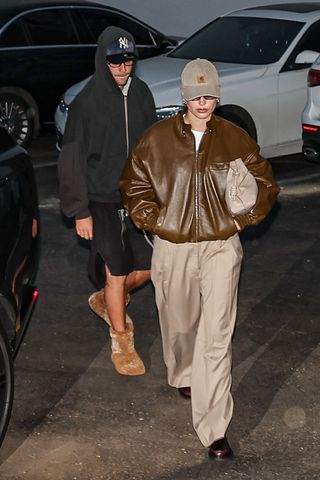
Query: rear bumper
311	143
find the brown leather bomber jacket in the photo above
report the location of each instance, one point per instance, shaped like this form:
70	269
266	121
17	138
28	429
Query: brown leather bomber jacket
178	195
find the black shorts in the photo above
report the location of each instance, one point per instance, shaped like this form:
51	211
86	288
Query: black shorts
116	243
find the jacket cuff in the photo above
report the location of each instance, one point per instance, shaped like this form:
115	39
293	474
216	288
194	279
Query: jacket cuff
151	221
83	214
243	220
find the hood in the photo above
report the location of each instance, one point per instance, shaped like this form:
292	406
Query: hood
162	75
102	76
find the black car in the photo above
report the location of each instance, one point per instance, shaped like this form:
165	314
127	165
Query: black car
45	48
19	253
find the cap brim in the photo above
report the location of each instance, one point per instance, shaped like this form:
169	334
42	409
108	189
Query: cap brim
194	91
123	57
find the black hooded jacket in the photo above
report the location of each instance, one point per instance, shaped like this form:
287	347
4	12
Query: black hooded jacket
95	148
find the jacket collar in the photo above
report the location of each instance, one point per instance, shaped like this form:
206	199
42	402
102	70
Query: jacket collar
185	127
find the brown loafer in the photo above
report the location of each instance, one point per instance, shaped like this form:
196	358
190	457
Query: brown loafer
185	392
220	449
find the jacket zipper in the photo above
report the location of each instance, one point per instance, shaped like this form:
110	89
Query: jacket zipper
197	198
197	194
126	120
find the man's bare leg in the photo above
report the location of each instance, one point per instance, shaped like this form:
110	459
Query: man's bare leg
135	280
114	295
97	300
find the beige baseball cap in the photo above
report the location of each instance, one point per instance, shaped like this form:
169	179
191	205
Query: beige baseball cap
199	78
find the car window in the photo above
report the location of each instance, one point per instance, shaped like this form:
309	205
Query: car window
9	191
13	35
50	27
17	207
311	40
247	40
9	202
91	22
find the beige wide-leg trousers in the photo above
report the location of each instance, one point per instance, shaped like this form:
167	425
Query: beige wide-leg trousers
196	287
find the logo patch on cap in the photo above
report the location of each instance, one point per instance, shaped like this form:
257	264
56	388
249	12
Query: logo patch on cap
123	42
201	79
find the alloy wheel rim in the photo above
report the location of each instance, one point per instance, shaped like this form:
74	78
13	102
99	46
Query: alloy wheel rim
14	119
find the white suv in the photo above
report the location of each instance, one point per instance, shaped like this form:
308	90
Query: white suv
262	55
311	115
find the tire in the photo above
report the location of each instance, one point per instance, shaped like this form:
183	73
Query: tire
6	383
239	117
17	117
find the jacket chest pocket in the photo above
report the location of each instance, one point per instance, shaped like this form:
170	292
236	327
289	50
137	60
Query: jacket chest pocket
216	177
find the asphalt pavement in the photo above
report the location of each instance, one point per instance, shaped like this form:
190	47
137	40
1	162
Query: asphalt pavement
75	418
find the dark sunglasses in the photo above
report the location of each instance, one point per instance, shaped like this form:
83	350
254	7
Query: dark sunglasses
206	97
127	63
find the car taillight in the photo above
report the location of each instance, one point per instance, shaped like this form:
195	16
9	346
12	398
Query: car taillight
310	128
313	78
35	295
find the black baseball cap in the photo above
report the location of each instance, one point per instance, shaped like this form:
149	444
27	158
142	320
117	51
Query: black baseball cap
121	50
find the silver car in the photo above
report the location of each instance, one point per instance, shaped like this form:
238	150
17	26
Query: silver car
311	115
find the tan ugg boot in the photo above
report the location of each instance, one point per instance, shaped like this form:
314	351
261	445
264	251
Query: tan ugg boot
124	356
98	306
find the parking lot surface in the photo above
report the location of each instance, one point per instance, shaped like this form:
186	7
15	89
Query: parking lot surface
75	418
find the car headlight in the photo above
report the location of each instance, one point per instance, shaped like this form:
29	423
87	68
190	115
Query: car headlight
165	112
63	106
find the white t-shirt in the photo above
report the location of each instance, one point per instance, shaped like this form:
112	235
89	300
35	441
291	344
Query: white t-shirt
197	136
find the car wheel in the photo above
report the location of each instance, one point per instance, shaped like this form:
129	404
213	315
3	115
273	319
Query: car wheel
6	383
239	117
17	118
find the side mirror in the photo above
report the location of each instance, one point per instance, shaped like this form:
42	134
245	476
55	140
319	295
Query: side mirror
172	42
167	46
307	56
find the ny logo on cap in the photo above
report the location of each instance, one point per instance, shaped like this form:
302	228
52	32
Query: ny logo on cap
123	42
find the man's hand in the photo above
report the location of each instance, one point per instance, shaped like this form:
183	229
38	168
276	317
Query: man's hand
84	228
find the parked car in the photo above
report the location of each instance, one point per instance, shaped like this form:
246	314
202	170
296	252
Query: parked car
262	55
46	47
19	252
311	115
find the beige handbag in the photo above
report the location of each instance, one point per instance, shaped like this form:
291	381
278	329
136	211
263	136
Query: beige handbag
241	189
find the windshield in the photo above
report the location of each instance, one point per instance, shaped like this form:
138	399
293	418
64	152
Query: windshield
246	40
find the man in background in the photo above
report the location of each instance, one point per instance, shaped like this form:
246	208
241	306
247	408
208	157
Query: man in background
105	122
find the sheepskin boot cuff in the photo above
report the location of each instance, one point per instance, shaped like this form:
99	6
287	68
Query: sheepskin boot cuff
124	356
98	306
